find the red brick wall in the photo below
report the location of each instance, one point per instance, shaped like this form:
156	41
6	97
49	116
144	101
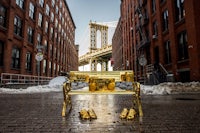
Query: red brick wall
67	48
190	24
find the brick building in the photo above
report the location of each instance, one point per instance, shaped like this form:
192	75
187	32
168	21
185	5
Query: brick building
117	48
31	26
162	35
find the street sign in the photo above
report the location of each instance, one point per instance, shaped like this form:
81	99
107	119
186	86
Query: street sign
142	60
39	56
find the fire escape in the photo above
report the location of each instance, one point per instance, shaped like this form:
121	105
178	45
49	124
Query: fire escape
141	26
151	74
143	35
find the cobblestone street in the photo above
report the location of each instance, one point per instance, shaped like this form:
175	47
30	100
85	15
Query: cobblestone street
42	113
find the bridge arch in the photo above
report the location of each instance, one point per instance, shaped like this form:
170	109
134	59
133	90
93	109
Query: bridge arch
94	27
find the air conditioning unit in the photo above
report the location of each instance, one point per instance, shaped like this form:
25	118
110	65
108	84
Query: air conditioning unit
155	36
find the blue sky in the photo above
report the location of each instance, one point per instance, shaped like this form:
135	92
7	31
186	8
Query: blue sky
96	10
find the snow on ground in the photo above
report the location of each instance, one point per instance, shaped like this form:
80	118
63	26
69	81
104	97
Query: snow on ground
55	85
171	88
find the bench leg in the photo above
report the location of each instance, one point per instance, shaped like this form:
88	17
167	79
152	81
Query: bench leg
67	98
137	98
70	102
66	102
139	106
64	109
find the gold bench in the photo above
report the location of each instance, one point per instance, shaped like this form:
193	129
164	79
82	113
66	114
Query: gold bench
101	83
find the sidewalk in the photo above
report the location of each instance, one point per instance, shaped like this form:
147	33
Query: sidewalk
42	113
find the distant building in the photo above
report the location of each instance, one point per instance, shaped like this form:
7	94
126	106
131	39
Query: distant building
162	35
117	48
31	26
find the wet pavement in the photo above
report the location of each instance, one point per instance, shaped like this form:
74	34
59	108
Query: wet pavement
42	113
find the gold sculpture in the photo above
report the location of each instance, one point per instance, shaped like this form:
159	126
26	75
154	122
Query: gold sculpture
124	113
92	114
84	114
92	85
100	81
131	114
111	84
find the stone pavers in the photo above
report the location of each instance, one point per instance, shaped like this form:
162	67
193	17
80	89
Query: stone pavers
42	113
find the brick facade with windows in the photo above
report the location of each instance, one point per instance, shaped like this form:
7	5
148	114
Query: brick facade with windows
117	48
165	32
25	24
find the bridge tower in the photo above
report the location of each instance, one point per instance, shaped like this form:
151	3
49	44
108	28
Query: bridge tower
94	27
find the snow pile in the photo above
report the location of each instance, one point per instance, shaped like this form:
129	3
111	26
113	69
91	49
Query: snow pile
155	90
57	80
171	88
55	85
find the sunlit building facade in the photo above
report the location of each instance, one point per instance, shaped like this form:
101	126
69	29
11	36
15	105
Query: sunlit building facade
117	48
164	33
31	26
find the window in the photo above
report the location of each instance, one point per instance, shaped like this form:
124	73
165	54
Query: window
20	3
31	10
54	68
44	66
153	6
60	15
47	9
60	4
58	55
45	45
15	58
39	39
165	20
2	16
50	68
56	9
51	51
54	53
1	53
18	26
30	34
40	20
46	26
179	10
155	28
56	23
63	21
53	3
182	46
28	61
63	11
167	52
52	17
56	36
41	2
59	28
51	34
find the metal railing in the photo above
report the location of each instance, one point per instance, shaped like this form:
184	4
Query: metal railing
9	78
163	69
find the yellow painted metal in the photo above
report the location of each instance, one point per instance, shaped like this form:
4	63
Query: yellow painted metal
106	78
107	92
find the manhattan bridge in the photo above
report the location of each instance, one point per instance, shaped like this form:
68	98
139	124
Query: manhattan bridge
98	44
